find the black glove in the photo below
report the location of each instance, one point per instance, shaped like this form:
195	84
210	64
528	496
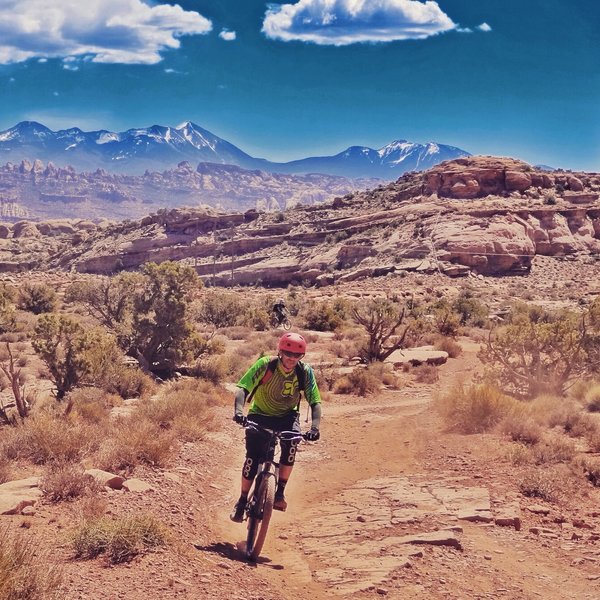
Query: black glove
240	419
313	435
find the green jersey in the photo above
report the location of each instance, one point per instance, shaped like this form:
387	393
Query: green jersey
281	394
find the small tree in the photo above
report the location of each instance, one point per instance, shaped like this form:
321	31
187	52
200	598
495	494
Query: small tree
16	379
543	352
162	337
62	344
37	298
381	318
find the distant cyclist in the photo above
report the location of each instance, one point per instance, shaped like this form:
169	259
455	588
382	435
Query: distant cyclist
279	310
275	385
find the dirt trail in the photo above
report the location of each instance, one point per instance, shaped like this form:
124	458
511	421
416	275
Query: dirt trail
376	477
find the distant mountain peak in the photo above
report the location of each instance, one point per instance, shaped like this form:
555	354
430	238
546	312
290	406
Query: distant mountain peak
159	147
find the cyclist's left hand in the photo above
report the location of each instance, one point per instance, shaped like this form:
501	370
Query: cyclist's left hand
313	435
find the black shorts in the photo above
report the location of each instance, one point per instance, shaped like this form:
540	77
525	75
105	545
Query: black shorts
257	442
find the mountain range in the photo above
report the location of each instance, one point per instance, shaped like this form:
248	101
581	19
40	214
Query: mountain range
161	147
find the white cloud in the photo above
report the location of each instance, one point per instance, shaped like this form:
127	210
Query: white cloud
343	22
484	27
106	31
227	35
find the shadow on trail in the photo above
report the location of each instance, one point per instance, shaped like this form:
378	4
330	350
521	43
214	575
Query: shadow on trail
236	552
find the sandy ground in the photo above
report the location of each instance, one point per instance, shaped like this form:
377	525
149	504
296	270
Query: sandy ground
380	473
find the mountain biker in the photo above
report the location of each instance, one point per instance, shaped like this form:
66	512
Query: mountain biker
279	310
275	405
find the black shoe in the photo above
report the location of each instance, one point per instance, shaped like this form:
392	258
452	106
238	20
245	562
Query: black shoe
280	503
237	515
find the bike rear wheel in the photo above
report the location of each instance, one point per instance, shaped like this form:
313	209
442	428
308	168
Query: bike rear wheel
258	521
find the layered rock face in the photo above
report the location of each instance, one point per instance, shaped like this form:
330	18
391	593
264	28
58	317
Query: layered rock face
39	191
407	225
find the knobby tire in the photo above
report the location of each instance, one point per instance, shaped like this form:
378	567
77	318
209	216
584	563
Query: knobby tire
257	529
286	324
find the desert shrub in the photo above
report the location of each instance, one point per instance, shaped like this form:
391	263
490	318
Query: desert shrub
360	381
221	309
5	471
521	428
519	454
119	539
66	481
37	298
447	344
446	321
91	405
474	409
135	441
470	310
549	484
237	332
257	318
426	373
185	407
24	573
130	382
592	398
580	388
554	449
542	352
591	470
322	316
47	436
572	420
381	319
62	344
213	368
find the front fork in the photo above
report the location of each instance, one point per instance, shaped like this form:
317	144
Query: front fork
270	469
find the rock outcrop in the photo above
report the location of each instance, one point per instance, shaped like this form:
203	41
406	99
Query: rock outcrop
409	225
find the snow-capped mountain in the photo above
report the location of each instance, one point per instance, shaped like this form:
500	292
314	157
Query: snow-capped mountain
161	147
388	162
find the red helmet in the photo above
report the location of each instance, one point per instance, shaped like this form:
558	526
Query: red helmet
292	342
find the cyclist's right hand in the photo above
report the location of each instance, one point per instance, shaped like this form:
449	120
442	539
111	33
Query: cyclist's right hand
240	419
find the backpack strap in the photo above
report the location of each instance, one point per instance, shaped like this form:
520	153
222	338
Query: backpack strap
271	366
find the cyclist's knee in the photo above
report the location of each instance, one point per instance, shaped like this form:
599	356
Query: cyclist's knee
288	453
249	468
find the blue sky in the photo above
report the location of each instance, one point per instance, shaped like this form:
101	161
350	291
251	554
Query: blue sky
286	80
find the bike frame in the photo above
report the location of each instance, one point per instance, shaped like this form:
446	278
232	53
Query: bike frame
260	506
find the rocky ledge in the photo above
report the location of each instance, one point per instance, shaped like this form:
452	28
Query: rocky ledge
417	223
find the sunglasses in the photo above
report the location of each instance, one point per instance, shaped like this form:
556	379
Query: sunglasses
292	354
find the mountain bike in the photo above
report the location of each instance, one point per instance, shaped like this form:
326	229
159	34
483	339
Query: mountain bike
283	321
262	496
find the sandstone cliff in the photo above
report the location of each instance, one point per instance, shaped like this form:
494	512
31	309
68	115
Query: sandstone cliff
482	215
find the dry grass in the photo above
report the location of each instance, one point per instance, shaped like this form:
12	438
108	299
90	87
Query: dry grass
362	381
135	441
48	436
552	484
474	409
119	539
554	448
447	344
520	427
5	470
24	574
186	408
426	373
67	481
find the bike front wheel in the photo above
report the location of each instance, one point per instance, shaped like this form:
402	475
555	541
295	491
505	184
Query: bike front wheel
258	521
286	324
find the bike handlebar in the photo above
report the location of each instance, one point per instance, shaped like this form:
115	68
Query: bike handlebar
289	436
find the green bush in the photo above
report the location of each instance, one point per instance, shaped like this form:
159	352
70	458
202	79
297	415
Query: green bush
37	298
